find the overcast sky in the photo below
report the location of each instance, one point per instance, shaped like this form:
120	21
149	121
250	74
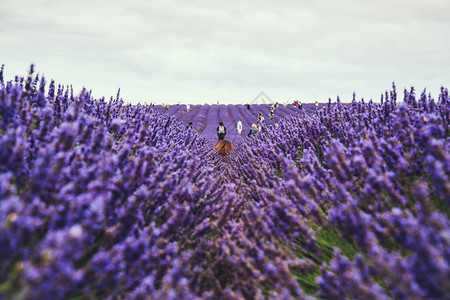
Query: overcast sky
203	51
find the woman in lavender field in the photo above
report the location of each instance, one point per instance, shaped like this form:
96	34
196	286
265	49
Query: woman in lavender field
224	147
260	118
239	126
221	131
253	130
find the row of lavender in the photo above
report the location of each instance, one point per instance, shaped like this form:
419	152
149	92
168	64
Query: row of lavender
379	175
87	190
102	199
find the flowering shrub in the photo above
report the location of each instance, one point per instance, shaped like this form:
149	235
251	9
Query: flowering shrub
99	199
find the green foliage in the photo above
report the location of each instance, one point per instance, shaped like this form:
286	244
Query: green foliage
327	239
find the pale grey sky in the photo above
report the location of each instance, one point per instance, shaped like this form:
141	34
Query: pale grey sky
202	51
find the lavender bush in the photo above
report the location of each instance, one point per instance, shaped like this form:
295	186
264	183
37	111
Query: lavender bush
101	199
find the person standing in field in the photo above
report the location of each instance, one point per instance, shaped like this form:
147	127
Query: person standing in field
224	147
272	112
260	118
253	130
221	131
239	126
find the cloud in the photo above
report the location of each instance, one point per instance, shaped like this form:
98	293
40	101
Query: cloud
197	51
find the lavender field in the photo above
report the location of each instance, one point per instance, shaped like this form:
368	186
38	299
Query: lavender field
206	118
102	199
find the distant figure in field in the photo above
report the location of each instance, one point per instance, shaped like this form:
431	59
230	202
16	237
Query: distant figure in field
253	130
189	126
260	118
224	147
221	131
317	104
188	108
272	112
248	106
239	126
